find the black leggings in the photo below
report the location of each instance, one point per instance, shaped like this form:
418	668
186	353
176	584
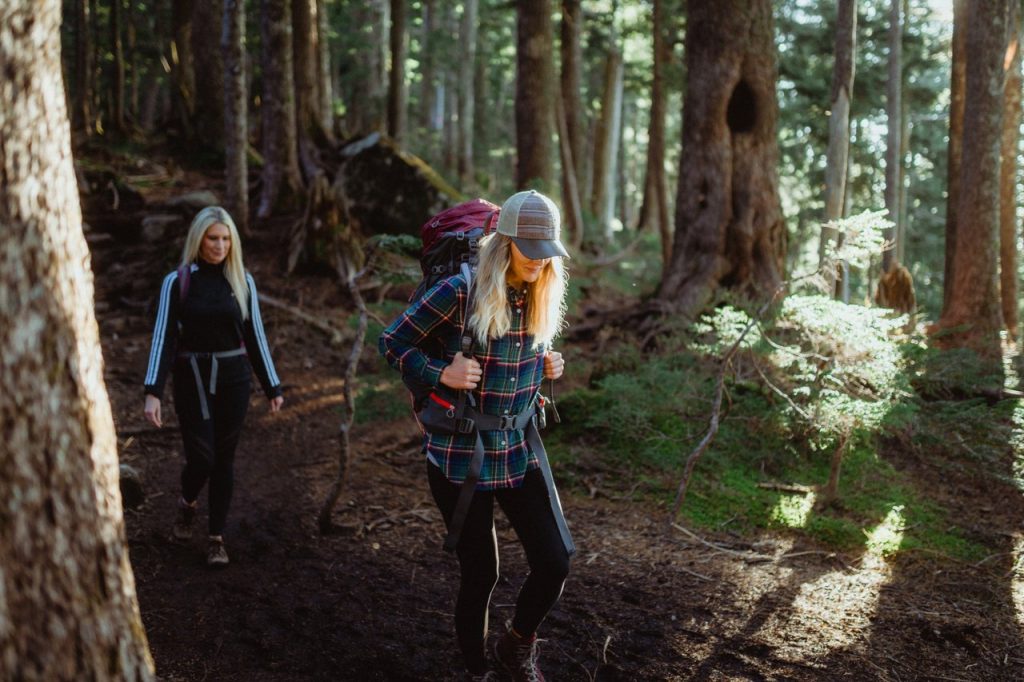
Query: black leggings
210	443
529	512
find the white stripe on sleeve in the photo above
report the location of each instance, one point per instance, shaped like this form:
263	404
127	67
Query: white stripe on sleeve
261	337
159	331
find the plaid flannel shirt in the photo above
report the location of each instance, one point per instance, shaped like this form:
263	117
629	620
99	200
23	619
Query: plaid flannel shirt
512	373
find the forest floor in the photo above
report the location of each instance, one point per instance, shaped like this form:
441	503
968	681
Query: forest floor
644	601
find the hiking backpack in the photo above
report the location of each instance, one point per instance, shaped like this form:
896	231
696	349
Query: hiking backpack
450	241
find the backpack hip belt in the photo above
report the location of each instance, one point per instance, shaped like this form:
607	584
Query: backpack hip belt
213	357
524	421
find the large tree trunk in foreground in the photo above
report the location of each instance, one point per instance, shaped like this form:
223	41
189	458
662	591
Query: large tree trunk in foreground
729	226
973	318
1008	177
534	94
236	113
894	114
68	609
956	135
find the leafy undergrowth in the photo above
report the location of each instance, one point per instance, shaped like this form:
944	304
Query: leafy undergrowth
818	377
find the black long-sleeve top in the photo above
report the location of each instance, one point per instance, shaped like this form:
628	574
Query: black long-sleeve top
209	320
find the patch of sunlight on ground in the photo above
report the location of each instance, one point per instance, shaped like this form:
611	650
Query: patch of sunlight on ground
793	511
1017	579
1017	443
885	538
834	610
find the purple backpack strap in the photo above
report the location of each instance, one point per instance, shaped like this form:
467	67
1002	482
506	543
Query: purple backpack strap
184	279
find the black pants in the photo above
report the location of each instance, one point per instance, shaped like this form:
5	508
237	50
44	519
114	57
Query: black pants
210	443
529	512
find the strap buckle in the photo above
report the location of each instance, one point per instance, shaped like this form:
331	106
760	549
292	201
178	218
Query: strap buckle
465	425
507	422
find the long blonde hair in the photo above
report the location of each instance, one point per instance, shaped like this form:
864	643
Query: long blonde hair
234	271
545	298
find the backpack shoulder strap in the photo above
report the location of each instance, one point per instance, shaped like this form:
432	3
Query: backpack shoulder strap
184	279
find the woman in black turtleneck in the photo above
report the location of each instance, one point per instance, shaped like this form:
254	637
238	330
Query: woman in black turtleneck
208	322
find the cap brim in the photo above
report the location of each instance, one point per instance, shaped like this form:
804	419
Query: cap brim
539	249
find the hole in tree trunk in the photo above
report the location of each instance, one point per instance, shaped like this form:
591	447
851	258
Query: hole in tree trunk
742	112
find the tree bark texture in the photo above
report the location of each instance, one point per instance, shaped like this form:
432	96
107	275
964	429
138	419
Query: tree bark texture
572	81
655	203
304	63
236	113
467	98
534	94
957	89
604	129
973	318
68	609
894	114
82	113
729	224
280	140
208	119
1008	176
325	90
396	75
837	157
572	206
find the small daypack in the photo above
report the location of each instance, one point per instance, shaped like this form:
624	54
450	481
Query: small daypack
450	242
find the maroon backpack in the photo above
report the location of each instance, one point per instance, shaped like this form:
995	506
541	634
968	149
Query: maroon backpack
450	239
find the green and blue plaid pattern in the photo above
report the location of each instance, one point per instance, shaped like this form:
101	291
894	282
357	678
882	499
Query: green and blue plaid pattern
512	373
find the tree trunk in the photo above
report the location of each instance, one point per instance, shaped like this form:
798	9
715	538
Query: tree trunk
655	203
604	132
428	46
236	113
208	116
68	609
280	140
956	135
973	318
133	62
82	113
837	163
1008	176
612	145
116	68
894	113
572	214
323	60
729	225
534	94
572	82
304	56
466	94
182	65
396	75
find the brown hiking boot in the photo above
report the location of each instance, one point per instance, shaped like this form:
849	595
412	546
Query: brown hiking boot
518	657
182	529
216	555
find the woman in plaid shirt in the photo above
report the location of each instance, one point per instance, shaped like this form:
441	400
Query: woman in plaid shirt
518	308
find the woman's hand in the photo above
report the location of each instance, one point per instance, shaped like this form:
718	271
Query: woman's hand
152	410
554	365
464	373
275	403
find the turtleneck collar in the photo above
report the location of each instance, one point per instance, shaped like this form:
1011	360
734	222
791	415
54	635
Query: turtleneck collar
210	267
